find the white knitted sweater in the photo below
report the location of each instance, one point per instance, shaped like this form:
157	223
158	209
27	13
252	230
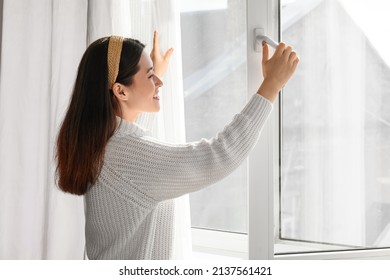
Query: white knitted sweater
130	211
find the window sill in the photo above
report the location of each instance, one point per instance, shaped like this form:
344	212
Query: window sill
210	244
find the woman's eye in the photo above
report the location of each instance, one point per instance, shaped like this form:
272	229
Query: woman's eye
151	76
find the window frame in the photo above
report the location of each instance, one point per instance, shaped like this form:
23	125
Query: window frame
255	244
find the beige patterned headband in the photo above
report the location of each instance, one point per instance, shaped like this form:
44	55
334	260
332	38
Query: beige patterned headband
113	58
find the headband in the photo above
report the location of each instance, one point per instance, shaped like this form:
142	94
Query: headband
113	58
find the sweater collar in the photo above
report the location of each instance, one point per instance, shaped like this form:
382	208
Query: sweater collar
125	127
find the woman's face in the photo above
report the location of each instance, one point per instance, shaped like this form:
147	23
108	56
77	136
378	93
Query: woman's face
143	92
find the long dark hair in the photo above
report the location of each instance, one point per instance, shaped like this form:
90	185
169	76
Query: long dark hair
90	119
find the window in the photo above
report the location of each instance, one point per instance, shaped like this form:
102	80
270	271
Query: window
317	184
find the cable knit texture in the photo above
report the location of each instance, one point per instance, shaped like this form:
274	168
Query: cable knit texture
130	211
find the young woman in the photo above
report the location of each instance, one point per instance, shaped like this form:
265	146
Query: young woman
130	178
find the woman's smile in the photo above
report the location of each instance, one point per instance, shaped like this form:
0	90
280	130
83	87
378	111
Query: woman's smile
156	97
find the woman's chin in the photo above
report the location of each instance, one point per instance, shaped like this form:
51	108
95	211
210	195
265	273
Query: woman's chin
155	109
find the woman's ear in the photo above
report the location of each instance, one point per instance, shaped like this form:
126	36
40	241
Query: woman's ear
119	91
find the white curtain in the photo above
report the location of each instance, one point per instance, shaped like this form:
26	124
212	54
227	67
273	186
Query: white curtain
42	43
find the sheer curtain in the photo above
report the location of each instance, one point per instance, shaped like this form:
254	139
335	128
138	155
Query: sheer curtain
41	45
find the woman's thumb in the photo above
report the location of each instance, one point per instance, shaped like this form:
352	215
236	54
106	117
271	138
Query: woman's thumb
168	53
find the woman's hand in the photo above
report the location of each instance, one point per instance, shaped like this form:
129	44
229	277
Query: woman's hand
160	62
277	70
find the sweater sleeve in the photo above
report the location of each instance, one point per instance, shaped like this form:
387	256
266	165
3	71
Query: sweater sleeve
164	171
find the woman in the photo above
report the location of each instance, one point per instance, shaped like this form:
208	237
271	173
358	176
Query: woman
130	178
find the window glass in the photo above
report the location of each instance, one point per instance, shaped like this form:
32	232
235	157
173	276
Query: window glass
215	89
335	150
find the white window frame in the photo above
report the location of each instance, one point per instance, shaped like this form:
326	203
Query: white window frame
263	173
253	245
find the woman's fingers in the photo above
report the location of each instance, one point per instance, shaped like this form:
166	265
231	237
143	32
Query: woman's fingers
292	56
265	53
295	63
280	49
156	41
287	51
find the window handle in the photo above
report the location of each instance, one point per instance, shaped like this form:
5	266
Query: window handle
268	40
260	37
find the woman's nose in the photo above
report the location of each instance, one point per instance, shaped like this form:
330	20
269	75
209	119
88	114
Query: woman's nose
157	81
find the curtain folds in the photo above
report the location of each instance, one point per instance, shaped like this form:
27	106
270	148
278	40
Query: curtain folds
41	46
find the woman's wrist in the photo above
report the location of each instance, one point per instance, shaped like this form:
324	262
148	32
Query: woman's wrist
269	90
